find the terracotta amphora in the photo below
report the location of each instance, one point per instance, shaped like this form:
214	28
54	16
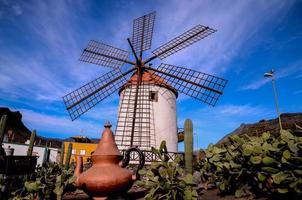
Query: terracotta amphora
107	175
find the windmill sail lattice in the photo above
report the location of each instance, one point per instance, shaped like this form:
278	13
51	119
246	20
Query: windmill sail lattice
142	32
104	55
143	119
84	98
201	86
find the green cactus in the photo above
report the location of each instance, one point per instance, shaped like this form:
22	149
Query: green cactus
62	155
2	128
46	155
188	132
68	156
274	164
31	143
50	181
165	179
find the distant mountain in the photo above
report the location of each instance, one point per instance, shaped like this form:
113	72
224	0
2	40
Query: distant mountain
15	124
21	133
289	122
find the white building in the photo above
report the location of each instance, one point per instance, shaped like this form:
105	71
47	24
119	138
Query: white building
21	150
155	118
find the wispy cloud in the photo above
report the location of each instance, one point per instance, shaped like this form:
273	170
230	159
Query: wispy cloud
211	124
242	21
57	125
17	9
45	39
257	83
29	79
239	110
56	27
60	126
298	92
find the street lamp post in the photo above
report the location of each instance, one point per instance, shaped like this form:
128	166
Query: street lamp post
196	143
270	74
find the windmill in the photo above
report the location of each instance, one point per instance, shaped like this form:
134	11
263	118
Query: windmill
147	107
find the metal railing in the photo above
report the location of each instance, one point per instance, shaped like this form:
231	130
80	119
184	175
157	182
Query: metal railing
151	157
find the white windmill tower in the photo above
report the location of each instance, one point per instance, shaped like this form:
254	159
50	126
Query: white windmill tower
147	108
155	114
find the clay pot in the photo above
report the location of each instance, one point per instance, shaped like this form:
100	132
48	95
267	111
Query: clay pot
107	175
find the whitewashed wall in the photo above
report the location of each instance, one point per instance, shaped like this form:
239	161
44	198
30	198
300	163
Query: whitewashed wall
21	150
163	118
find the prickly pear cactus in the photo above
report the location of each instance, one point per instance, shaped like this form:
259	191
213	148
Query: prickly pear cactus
68	156
256	165
188	132
165	179
31	143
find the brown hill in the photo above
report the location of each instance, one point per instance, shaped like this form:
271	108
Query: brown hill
289	122
14	123
20	133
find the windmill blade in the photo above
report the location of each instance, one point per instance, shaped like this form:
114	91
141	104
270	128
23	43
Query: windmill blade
142	32
204	87
105	55
189	37
84	98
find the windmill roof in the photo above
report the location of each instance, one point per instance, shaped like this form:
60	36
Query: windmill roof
149	77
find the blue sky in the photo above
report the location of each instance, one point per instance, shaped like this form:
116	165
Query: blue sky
41	41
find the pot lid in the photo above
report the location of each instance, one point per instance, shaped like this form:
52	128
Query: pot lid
107	145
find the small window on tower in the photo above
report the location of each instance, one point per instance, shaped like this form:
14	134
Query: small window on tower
153	96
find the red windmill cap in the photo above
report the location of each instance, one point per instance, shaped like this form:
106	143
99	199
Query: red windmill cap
149	77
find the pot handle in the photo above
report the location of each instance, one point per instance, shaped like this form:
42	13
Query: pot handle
141	160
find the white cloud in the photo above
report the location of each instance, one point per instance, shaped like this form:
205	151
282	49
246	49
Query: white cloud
60	126
26	78
283	72
17	9
57	31
239	110
213	123
236	22
298	92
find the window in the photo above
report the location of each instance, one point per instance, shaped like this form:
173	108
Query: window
82	152
73	151
153	96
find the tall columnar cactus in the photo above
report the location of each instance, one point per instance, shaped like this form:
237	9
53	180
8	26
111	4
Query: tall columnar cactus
2	128
62	155
68	156
188	146
31	143
46	155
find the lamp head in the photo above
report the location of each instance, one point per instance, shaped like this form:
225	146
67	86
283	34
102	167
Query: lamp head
269	74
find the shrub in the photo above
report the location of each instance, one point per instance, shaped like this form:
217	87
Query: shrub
166	180
48	182
256	165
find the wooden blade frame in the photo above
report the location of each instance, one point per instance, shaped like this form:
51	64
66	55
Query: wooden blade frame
105	55
186	39
142	33
81	100
204	87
